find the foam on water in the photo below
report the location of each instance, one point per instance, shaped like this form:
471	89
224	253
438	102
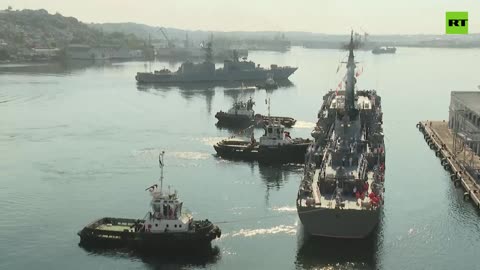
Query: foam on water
280	229
284	209
304	124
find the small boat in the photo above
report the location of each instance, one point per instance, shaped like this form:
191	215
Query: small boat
164	228
241	114
384	50
275	146
270	84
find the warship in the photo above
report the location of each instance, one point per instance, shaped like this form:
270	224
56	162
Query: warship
342	191
164	228
232	70
274	146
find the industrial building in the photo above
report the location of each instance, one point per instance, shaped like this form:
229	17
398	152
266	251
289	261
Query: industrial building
464	117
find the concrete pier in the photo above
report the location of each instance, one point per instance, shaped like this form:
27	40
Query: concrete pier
441	140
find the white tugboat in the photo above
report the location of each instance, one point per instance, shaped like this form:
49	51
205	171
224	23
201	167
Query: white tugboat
275	146
164	227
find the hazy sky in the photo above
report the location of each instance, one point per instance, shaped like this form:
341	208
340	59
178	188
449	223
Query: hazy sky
323	16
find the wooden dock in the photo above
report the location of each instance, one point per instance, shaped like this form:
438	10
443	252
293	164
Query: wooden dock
440	139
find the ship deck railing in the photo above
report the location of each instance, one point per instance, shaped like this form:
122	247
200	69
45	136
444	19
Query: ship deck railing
350	202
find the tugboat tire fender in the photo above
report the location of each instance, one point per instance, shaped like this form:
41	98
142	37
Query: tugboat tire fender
453	177
466	196
457	183
418	125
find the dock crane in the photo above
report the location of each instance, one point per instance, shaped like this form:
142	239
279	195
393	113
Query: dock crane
169	42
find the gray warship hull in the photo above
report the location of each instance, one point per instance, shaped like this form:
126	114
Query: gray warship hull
336	223
217	76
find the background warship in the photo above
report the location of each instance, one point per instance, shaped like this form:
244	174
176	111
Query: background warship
341	193
233	70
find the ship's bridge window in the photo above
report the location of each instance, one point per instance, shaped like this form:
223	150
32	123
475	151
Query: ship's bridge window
157	207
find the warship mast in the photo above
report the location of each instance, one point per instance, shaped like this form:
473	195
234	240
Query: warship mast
351	80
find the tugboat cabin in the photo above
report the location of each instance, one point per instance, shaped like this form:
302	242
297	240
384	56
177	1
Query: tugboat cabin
275	135
166	214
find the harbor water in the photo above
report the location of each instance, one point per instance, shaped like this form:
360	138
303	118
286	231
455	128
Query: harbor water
81	141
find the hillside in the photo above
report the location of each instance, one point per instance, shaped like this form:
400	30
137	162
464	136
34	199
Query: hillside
297	38
23	30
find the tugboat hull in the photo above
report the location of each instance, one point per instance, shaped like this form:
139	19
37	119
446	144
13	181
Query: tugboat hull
335	223
226	119
294	153
127	233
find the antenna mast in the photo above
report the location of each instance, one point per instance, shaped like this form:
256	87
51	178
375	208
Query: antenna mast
161	164
269	107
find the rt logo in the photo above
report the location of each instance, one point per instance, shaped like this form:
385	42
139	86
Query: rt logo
456	23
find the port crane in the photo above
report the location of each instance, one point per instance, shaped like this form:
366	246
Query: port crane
170	44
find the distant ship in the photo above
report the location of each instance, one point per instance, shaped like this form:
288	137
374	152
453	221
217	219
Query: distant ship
187	50
184	53
341	193
383	50
233	70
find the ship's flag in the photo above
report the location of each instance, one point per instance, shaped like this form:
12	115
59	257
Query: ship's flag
340	85
359	73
